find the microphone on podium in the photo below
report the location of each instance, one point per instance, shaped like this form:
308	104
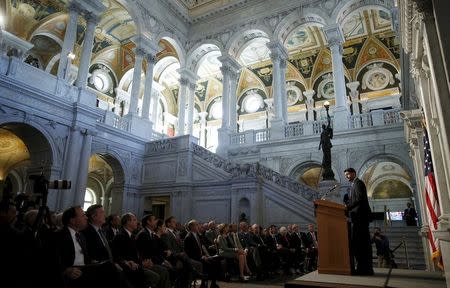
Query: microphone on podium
326	193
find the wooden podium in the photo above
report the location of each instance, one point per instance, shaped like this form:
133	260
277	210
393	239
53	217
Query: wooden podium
332	236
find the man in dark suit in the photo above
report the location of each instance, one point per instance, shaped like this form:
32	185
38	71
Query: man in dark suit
98	247
410	215
197	252
360	214
147	248
77	267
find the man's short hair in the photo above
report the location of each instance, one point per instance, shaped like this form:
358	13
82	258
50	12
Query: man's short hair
350	170
90	212
144	219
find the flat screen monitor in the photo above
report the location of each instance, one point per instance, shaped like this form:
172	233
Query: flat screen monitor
394	216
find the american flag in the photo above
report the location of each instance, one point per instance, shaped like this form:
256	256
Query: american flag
431	197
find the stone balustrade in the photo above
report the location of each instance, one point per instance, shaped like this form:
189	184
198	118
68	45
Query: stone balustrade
309	128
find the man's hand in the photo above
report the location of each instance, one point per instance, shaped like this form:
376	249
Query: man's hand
73	272
147	263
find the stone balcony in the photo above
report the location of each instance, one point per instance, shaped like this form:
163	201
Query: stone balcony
374	118
55	90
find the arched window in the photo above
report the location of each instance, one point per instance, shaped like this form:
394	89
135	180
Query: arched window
89	199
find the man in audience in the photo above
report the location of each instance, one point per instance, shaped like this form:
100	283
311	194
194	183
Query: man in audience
126	254
112	227
197	252
298	246
311	246
76	265
145	244
98	247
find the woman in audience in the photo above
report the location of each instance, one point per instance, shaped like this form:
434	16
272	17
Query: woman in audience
227	251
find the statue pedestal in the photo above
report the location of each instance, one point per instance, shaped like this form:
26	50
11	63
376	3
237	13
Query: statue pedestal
327	185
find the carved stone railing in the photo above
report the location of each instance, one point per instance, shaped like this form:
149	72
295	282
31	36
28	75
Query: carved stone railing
262	135
255	170
360	121
116	121
237	139
293	130
392	117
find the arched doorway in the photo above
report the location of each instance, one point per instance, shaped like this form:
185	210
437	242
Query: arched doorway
105	183
25	151
308	174
389	186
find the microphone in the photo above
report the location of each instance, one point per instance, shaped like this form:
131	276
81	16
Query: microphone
326	193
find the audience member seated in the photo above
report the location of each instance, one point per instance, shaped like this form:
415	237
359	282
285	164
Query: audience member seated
126	254
228	251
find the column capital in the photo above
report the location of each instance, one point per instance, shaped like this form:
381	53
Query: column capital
92	19
277	51
412	118
188	76
309	94
147	45
353	86
94	7
334	35
74	7
229	64
150	58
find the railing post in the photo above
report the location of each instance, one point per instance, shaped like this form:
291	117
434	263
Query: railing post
308	128
378	117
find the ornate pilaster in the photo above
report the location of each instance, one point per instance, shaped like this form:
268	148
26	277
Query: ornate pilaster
191	103
202	116
279	55
234	78
182	106
69	41
309	94
187	78
85	60
354	95
150	58
134	98
335	39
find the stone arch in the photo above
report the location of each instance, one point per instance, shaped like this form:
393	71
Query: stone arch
377	158
240	39
196	54
32	134
311	16
134	13
176	43
345	8
120	176
43	151
314	160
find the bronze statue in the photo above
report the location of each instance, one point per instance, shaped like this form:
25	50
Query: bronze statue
325	145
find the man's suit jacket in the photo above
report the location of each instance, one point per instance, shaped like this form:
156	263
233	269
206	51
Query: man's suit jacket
147	246
359	209
297	240
95	247
66	249
308	240
192	247
172	243
124	248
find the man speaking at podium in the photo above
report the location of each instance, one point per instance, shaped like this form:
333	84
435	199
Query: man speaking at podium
359	213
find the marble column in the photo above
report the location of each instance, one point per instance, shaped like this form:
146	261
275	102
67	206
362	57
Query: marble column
284	111
155	106
335	40
309	94
225	97
182	106
354	94
69	41
71	162
148	86
234	78
86	53
83	167
135	89
202	116
191	103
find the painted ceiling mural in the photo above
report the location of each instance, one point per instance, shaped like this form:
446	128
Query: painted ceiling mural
370	55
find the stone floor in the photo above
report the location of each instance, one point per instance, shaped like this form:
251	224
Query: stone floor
274	281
